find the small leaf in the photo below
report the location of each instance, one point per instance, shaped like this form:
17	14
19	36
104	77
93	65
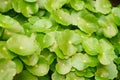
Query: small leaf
4	52
103	6
63	66
49	56
40	69
25	75
41	25
57	76
49	39
19	65
27	9
62	16
116	15
7	69
30	0
90	5
46	77
42	3
89	72
52	5
11	24
77	4
73	76
5	5
16	5
30	60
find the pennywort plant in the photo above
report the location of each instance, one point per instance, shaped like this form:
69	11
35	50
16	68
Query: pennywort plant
59	40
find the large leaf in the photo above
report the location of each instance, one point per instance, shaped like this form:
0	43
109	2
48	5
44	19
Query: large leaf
81	61
108	26
11	24
91	45
5	5
106	72
66	41
22	45
103	6
107	53
86	21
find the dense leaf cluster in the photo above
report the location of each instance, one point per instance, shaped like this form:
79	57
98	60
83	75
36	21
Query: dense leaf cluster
59	40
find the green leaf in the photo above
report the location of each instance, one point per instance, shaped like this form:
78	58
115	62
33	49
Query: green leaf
57	76
91	45
1	32
27	9
77	4
25	75
81	61
52	5
89	72
90	5
16	5
19	65
7	34
115	41
62	16
33	19
107	53
106	72
7	69
87	22
49	56
41	25
108	26
5	5
63	66
116	15
66	41
42	3
21	19
39	39
30	0
103	6
49	39
11	24
4	52
30	60
73	76
22	45
46	77
117	60
58	52
40	69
